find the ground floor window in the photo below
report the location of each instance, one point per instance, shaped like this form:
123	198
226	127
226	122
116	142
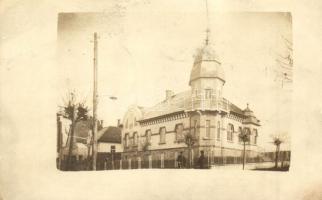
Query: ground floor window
129	161
139	162
162	160
150	161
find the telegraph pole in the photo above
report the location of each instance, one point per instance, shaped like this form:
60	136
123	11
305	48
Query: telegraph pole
95	96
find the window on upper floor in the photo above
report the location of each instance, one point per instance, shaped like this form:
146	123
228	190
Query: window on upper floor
218	130
208	93
126	123
179	132
230	132
196	93
135	122
255	136
195	127
162	135
248	133
135	138
126	140
240	131
148	135
208	128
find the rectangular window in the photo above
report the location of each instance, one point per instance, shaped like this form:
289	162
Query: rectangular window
179	132
208	128
162	135
148	136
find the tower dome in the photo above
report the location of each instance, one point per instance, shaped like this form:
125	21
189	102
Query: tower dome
206	65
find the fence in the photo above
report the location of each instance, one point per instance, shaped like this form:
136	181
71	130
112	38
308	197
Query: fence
146	163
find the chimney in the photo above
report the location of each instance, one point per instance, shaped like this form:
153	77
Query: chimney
118	122
168	94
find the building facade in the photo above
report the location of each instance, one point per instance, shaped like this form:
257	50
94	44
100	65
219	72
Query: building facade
154	137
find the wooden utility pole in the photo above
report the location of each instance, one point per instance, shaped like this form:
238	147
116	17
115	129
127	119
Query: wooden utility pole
71	137
95	104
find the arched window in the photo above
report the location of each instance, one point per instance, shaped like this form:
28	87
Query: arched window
135	138
255	136
247	132
126	140
240	131
230	132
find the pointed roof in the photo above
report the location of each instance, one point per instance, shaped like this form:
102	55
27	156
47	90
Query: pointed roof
250	118
206	64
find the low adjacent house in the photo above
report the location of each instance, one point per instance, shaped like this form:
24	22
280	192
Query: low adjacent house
109	147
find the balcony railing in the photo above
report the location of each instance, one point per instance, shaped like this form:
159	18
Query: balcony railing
201	103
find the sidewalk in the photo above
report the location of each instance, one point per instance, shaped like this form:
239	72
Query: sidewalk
248	166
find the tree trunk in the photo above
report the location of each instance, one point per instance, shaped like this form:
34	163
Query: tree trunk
244	156
276	155
71	139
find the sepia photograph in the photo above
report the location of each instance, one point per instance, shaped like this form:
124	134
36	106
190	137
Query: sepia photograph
179	102
179	99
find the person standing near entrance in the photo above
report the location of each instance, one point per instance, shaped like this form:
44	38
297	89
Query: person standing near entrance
201	160
181	160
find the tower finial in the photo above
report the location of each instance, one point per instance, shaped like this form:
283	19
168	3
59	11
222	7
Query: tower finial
208	29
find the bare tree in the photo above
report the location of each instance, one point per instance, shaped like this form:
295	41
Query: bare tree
277	141
244	137
284	61
74	111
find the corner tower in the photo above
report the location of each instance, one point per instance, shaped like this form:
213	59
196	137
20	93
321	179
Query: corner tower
207	76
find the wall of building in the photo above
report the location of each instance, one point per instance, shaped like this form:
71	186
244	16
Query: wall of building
106	147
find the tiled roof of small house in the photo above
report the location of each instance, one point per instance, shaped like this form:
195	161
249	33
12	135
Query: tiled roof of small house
110	134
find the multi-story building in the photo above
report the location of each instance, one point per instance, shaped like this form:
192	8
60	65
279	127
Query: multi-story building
154	137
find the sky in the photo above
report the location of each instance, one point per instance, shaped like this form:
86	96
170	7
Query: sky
140	57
